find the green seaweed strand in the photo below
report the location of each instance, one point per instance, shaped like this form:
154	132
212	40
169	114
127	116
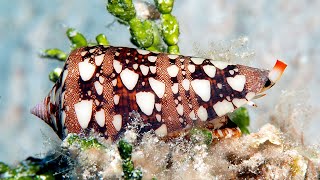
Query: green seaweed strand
169	25
125	151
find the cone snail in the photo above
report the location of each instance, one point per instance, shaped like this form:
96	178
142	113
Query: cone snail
101	85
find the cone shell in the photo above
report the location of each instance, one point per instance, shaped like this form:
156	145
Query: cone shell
101	86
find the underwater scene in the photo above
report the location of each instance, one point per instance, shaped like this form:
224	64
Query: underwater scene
159	89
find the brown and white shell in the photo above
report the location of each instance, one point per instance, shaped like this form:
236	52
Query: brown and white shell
101	85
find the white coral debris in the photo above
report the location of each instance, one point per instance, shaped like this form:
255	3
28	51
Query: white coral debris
267	133
261	155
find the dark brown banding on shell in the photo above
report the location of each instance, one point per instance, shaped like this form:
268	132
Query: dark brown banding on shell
72	94
108	92
169	113
182	92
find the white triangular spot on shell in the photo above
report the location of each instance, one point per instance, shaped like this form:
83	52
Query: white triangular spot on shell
98	59
83	110
86	70
135	66
143	52
175	88
158	117
191	68
202	88
129	78
237	83
173	56
173	70
114	82
152	58
64	76
144	69
158	107
202	113
186	84
153	69
98	87
117	122
222	108
220	64
180	109
116	99
157	86
145	101
53	95
100	117
62	98
161	131
209	70
239	102
192	115
117	66
197	61
97	102
83	53
63	118
101	79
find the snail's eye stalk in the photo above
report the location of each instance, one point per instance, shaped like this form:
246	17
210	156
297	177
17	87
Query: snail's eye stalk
274	75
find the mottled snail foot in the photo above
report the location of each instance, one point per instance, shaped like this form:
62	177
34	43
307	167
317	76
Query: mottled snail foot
225	133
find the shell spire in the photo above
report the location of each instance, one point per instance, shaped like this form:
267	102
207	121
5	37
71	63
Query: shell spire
47	110
40	110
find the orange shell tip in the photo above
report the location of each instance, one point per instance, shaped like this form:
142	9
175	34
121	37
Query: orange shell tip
281	66
277	71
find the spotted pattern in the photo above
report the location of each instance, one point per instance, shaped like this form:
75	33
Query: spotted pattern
100	86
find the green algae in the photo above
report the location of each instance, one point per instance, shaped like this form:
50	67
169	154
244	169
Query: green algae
54	53
83	142
241	118
164	6
125	151
76	38
102	40
200	136
122	9
55	74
